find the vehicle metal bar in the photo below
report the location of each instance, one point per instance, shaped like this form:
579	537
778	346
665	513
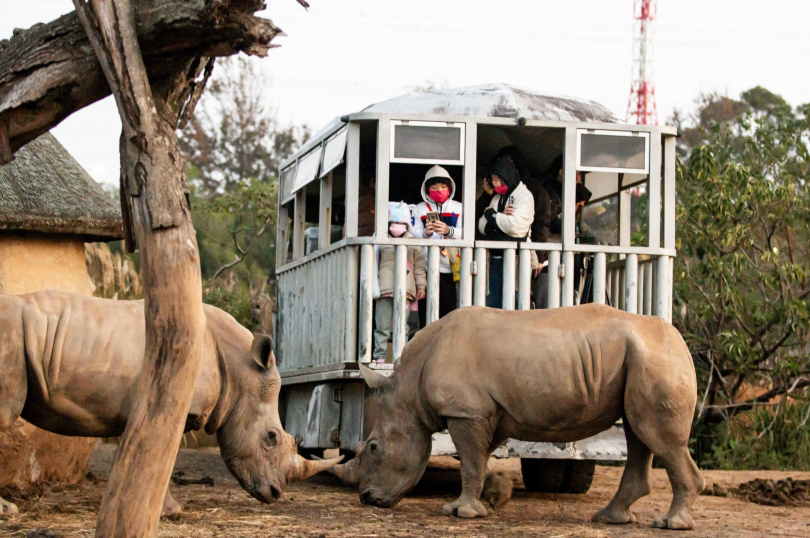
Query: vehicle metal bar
614	249
569	191
661	305
325	212
525	280
647	267
353	282
365	298
282	231
434	257
654	196
599	266
480	277
400	301
468	185
352	178
669	193
553	279
631	284
466	278
383	167
299	223
568	279
640	288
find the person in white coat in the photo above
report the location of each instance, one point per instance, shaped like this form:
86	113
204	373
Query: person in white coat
509	217
438	190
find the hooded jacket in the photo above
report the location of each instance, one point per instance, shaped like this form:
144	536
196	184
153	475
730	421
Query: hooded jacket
496	225
415	273
449	213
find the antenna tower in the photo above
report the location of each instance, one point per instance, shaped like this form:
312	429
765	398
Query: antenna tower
641	109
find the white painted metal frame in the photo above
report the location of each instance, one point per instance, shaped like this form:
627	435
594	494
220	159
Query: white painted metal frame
611	132
461	126
642	285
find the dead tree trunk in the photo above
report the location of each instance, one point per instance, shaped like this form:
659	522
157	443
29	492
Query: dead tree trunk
153	179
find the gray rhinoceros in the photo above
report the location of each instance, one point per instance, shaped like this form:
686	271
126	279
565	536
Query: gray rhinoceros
69	364
543	375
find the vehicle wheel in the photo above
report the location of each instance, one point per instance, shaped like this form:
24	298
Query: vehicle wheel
543	475
579	476
557	476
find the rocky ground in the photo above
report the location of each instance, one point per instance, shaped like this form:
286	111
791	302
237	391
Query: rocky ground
320	507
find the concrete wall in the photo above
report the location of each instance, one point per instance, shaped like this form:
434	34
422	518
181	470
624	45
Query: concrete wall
31	263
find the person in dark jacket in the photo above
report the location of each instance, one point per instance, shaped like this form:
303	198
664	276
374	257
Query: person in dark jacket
508	218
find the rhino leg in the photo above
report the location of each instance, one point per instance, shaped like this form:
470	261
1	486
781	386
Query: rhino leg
472	439
635	482
687	483
7	508
662	419
170	506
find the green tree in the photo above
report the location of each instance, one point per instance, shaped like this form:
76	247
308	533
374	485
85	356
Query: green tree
742	277
234	145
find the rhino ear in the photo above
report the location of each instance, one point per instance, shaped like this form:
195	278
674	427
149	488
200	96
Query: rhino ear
376	380
262	351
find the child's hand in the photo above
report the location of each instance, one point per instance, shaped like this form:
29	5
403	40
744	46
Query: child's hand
420	294
441	228
509	209
429	229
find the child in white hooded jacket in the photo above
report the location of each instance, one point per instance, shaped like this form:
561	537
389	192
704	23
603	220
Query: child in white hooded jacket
438	190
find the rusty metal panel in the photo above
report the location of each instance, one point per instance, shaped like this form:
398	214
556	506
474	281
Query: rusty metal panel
312	302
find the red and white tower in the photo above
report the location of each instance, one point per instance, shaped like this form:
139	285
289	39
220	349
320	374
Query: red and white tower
641	108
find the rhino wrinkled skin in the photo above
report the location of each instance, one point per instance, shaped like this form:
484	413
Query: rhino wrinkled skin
70	364
542	375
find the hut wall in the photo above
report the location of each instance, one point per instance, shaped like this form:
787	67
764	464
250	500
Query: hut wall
38	261
30	263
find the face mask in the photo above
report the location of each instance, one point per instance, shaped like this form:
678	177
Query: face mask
397	229
501	189
439	196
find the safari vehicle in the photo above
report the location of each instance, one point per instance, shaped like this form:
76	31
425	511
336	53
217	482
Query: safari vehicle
325	270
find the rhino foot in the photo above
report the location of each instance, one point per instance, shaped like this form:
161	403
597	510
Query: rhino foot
613	517
466	509
7	508
170	506
679	522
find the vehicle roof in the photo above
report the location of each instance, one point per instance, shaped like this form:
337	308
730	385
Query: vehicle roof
496	100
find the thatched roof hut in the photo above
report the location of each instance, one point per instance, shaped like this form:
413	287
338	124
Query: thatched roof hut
45	190
49	208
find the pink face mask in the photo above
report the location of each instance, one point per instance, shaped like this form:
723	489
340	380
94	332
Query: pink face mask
440	195
397	229
501	189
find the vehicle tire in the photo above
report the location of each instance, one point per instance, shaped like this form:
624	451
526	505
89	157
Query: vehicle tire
579	476
557	476
543	475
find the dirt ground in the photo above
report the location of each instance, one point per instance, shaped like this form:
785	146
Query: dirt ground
321	507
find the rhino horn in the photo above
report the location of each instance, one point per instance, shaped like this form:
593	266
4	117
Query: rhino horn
304	468
349	473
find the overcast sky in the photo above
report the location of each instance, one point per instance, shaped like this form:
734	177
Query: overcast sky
342	55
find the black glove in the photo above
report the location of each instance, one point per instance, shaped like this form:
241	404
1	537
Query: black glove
489	214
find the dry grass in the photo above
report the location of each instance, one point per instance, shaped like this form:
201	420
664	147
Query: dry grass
319	507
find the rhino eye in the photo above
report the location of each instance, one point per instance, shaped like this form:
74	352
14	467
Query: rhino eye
373	446
271	439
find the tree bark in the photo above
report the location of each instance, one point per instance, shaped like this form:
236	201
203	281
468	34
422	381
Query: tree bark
153	179
50	70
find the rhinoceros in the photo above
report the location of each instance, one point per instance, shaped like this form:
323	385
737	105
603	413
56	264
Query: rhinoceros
542	375
69	364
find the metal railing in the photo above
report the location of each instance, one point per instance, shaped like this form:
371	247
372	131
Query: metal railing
325	300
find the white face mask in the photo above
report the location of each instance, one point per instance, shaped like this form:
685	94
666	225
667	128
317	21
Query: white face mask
397	229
